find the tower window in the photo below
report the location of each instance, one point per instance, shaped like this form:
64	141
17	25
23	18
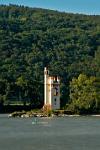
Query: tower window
55	91
55	101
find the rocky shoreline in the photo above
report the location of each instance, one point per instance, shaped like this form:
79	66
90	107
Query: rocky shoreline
24	114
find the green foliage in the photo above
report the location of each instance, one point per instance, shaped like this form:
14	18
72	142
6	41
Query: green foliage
84	94
31	39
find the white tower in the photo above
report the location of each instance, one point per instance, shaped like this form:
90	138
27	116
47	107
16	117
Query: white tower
51	91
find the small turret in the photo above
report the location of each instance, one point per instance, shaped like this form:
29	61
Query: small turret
46	71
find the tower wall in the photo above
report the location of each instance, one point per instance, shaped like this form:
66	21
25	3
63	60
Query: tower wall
47	93
56	94
51	91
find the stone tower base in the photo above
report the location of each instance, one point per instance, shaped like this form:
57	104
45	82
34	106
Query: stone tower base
47	107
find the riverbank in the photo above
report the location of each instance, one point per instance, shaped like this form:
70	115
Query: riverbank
40	113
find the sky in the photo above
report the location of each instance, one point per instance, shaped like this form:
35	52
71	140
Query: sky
91	7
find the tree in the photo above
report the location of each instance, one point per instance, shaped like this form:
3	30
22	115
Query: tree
22	84
97	62
84	94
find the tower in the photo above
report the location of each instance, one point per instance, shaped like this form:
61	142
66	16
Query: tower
51	90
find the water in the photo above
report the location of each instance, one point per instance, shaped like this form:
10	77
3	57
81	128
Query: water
63	133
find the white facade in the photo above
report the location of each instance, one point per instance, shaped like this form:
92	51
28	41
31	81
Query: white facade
51	91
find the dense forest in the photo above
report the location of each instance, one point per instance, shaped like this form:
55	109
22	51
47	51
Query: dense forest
68	44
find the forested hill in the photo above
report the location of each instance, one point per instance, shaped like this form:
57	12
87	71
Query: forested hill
30	39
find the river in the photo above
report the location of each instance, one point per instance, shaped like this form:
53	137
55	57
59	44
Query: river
62	133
